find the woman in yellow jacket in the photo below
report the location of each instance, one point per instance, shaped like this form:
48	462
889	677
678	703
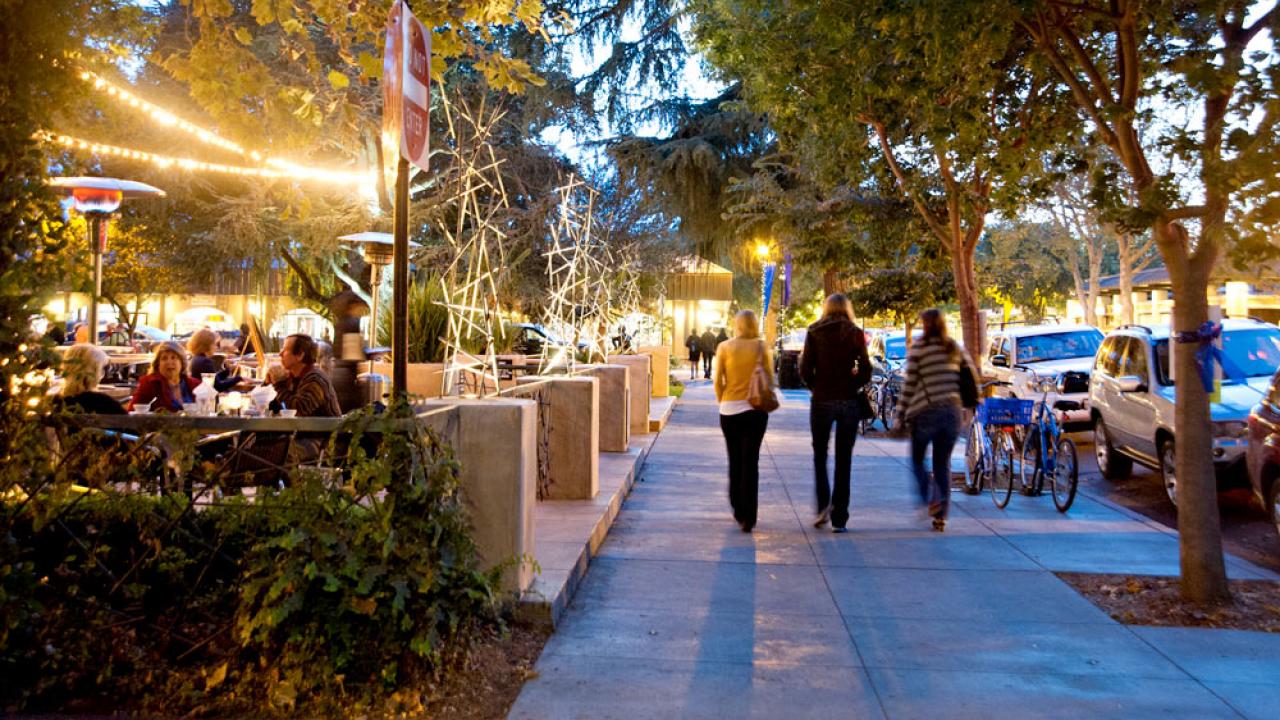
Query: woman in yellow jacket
743	425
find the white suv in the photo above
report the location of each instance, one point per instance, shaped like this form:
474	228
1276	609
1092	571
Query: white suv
1023	354
1131	399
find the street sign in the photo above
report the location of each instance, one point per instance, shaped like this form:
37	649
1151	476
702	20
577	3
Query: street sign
406	76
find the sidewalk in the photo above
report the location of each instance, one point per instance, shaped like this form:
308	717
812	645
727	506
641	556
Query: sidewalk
683	615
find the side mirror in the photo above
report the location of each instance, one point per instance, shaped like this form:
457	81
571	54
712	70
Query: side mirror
1000	361
1130	383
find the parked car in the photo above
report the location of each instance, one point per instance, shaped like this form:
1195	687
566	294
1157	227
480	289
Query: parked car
1132	392
1262	457
1022	355
530	338
888	350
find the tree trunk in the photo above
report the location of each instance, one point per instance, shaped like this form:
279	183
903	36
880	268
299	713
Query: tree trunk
1095	274
962	267
830	281
1204	575
1126	294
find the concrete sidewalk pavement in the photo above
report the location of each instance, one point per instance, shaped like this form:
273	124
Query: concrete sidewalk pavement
683	615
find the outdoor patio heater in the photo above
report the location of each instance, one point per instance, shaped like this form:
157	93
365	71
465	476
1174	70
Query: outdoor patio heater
97	198
378	249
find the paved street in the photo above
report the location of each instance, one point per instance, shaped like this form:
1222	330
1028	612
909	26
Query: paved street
683	615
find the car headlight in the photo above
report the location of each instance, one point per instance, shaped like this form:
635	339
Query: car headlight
1230	429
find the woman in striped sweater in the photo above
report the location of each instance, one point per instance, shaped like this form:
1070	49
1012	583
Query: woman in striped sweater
930	403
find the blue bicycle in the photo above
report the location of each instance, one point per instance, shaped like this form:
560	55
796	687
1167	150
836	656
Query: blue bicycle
1046	452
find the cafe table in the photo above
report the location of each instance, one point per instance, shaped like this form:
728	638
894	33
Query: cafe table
159	422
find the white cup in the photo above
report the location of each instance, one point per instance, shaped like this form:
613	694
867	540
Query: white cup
288	412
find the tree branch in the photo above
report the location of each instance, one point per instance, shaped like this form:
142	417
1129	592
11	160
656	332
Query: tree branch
927	215
308	287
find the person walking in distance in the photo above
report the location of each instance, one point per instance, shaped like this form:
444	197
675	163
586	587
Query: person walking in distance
930	403
694	346
743	426
707	345
835	366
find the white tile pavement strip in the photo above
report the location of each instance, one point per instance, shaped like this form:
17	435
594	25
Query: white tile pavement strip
684	616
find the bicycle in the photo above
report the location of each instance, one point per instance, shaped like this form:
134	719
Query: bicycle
887	405
1045	451
990	450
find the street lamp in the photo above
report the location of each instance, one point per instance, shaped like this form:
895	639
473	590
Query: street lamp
97	198
377	249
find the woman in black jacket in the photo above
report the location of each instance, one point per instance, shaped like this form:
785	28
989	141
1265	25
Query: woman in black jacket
836	367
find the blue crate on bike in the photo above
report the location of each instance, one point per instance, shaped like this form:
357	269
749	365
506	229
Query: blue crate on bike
1005	411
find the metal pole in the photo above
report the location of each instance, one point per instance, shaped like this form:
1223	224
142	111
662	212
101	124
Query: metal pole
400	288
95	242
375	278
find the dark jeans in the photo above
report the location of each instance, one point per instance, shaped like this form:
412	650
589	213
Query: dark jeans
743	434
938	424
844	413
706	364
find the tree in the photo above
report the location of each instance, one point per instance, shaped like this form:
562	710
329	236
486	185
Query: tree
1126	63
956	136
1023	265
1082	241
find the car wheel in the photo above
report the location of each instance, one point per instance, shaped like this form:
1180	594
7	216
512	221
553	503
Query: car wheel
1112	464
1273	503
1168	471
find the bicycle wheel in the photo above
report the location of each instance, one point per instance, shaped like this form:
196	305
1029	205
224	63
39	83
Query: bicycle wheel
1031	465
1066	475
975	465
888	409
1001	479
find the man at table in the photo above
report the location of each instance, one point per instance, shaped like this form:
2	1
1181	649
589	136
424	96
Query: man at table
300	385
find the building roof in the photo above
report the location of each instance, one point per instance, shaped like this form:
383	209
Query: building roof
692	264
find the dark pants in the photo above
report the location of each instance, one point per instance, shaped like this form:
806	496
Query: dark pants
693	365
844	413
743	434
706	364
939	425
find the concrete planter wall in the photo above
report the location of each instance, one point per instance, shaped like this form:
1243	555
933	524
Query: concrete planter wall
424	379
571	414
615	404
659	368
638	369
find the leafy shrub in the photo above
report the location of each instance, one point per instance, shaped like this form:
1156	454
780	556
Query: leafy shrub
338	591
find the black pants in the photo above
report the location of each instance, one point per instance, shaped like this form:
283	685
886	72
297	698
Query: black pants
706	364
844	413
743	434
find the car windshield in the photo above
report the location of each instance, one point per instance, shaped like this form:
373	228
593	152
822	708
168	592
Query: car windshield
895	348
1059	346
1255	353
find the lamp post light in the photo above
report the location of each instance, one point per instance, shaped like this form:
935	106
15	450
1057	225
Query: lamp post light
97	199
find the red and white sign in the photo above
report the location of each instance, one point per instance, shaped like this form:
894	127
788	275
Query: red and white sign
406	76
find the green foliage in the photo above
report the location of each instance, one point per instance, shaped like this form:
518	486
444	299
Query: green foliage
1024	265
427	321
899	292
344	590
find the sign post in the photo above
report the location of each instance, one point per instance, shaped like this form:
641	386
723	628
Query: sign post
406	67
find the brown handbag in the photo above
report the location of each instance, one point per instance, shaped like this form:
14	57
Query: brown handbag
761	394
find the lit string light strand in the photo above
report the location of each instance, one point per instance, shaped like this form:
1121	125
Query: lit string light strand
274	168
164	117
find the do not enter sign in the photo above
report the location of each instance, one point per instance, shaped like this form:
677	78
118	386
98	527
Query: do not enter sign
406	85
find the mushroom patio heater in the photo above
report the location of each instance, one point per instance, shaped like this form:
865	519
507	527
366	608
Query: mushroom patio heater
98	198
378	249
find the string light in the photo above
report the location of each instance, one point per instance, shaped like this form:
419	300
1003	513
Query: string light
164	117
275	168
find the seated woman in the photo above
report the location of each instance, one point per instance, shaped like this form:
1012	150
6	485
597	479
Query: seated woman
168	385
201	346
82	369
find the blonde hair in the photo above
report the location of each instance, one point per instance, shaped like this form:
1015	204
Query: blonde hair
202	342
82	368
837	304
746	325
169	347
